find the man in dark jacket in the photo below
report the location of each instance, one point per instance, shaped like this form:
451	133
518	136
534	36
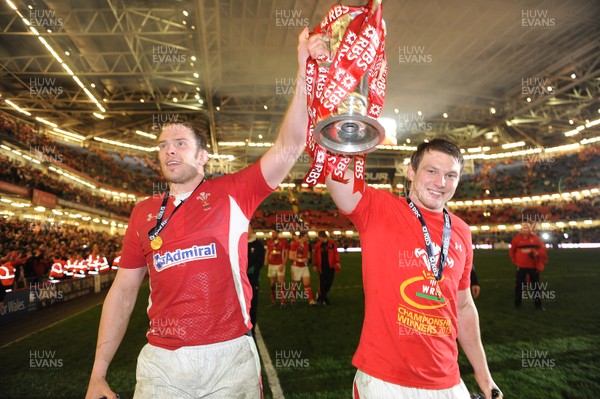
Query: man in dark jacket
326	260
256	258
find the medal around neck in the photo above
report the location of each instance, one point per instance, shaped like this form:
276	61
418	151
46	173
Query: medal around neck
156	243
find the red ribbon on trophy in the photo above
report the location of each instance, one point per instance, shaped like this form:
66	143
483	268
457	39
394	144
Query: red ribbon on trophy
345	95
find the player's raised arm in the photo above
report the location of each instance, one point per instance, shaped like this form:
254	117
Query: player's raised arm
289	145
342	193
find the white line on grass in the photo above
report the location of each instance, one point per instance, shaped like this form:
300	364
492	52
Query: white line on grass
269	369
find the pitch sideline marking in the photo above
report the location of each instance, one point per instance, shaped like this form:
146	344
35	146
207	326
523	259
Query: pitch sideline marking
269	369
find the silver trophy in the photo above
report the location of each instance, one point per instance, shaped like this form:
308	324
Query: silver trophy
349	130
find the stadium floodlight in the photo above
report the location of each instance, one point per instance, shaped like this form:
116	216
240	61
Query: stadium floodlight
149	135
575	131
15	106
592	123
44	121
69	134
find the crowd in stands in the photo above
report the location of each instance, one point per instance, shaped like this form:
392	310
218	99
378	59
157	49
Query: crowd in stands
291	210
13	171
132	173
555	237
546	211
32	248
532	174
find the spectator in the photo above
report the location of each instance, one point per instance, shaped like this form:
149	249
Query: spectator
528	253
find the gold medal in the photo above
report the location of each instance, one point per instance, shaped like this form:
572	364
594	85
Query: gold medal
156	243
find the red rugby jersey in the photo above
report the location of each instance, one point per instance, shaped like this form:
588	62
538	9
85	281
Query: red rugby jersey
200	292
301	252
275	250
409	335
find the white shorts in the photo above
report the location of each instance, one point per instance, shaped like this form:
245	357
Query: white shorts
224	370
298	272
274	271
368	387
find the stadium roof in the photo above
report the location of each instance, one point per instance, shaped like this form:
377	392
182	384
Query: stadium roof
229	66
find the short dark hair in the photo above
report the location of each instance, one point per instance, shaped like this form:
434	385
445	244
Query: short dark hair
323	233
441	145
199	135
301	233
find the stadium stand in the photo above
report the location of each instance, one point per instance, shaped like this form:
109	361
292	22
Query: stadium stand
286	209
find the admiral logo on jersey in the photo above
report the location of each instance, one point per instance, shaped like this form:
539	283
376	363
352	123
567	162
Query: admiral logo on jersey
179	256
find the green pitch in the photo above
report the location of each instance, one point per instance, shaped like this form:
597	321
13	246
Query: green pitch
532	354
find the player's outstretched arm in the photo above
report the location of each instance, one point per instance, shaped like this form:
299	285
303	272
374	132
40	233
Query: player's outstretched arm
117	308
342	194
469	338
289	145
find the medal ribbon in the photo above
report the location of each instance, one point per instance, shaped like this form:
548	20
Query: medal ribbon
437	270
160	223
361	51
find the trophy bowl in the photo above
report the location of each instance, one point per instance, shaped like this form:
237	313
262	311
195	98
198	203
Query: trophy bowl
348	130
